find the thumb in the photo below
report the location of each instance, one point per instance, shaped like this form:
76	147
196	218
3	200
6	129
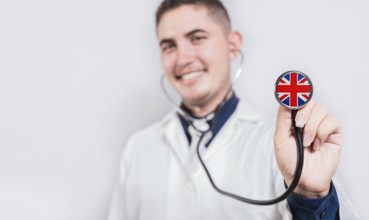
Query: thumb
284	120
284	124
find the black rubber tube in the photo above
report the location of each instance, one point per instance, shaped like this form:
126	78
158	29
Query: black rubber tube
295	181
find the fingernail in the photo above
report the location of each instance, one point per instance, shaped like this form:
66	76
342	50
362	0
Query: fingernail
301	120
316	144
307	139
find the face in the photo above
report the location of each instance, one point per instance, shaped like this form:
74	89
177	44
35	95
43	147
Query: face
196	51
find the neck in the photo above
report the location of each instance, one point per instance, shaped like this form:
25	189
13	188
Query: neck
202	110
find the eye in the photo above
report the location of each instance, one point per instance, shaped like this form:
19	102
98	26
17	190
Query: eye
198	39
167	47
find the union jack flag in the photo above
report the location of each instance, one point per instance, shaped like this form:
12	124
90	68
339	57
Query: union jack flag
293	89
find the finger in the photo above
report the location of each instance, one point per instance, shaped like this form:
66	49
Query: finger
317	115
328	127
303	114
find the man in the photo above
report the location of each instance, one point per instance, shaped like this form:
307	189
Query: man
160	176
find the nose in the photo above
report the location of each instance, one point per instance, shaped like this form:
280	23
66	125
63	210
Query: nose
185	54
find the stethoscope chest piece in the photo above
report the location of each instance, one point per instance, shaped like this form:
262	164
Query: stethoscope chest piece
293	89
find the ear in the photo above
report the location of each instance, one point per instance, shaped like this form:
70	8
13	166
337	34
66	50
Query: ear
235	43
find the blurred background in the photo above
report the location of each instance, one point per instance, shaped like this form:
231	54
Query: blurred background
78	77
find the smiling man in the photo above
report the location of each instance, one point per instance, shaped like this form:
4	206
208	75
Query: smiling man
196	51
160	175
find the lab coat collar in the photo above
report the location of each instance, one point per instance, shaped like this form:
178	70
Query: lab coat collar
243	112
172	131
224	112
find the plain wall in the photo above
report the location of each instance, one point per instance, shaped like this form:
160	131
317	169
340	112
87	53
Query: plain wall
78	77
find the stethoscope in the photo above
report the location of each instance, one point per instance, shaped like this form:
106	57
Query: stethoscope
293	90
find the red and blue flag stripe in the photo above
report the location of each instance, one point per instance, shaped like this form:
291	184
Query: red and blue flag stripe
293	89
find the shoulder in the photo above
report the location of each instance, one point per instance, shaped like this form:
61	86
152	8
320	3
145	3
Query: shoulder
147	145
149	135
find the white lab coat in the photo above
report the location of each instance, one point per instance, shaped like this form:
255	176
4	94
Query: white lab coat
160	179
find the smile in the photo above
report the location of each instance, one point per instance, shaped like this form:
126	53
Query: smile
191	75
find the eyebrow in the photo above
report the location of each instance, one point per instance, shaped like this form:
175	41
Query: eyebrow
195	32
169	40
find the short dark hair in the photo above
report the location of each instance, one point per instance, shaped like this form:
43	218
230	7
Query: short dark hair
215	8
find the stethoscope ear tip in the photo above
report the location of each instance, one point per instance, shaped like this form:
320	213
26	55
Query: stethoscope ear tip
293	89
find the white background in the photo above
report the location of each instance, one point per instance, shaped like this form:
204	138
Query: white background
77	77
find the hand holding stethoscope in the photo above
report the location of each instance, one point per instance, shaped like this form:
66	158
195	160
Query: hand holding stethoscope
322	138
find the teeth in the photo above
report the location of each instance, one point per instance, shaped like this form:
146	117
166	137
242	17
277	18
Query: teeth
191	75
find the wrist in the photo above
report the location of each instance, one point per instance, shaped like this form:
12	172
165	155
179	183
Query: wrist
301	191
311	194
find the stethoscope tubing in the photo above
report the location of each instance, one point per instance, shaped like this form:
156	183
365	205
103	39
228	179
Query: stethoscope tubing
289	190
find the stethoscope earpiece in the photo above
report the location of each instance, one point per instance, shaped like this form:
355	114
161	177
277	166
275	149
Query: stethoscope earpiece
293	90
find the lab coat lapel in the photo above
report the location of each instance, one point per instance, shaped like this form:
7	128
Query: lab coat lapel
176	140
223	141
220	143
175	137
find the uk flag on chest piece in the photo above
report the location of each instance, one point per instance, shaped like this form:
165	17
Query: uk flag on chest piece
293	89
